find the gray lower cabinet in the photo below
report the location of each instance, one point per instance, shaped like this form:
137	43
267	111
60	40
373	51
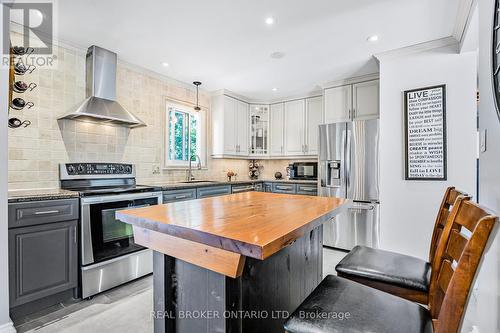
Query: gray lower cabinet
43	261
179	195
307	189
268	187
212	191
284	188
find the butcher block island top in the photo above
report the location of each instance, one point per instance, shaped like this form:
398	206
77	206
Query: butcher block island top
221	231
244	253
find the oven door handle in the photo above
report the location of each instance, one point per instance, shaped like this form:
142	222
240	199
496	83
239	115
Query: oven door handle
121	197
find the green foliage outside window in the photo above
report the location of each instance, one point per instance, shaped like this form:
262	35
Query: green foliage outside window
183	130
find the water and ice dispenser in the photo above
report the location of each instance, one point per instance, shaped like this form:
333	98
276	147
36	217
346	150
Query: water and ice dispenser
333	173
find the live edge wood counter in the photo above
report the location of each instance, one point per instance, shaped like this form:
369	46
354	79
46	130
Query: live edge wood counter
251	251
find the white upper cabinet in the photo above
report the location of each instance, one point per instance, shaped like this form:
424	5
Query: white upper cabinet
357	101
290	128
276	144
230	135
294	127
242	127
230	126
338	104
259	130
314	117
366	100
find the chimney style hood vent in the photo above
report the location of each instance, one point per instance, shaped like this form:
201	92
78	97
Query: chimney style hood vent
101	105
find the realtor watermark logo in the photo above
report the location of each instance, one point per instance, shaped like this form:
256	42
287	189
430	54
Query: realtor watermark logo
36	21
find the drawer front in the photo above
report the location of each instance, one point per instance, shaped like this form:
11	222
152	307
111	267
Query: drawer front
284	188
307	189
213	191
40	212
179	195
242	188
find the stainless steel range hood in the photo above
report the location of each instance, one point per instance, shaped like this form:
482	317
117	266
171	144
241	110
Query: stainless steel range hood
101	105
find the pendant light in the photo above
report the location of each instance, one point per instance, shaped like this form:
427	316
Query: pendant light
197	107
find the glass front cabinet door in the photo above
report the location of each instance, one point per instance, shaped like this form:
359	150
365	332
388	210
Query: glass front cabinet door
259	130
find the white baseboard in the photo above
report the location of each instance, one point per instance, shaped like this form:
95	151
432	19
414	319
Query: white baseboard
7	328
475	329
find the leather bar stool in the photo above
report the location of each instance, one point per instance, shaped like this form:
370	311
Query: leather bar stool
398	274
341	305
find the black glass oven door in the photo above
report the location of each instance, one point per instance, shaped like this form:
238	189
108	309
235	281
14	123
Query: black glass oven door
110	237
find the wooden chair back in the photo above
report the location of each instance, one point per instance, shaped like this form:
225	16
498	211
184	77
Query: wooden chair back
461	249
449	198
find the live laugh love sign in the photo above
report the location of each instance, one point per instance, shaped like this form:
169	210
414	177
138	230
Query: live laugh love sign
425	133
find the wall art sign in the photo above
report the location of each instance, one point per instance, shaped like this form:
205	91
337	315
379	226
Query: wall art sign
425	133
496	56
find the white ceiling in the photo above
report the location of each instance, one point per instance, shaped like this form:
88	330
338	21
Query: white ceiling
226	43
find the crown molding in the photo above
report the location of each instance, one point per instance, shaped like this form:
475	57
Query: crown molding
421	47
352	80
248	100
464	16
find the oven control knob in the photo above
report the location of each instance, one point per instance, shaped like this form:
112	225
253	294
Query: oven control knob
121	168
71	169
81	168
128	169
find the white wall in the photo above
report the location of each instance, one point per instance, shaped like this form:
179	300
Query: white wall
5	322
409	208
484	307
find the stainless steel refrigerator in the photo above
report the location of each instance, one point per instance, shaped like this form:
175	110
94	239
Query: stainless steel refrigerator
348	167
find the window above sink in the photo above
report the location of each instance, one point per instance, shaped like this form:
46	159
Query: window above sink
185	135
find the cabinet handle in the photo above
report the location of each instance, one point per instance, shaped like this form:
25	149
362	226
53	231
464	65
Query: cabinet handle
47	212
74	236
308	189
283	188
180	196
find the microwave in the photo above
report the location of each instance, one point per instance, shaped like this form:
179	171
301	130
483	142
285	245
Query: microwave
304	171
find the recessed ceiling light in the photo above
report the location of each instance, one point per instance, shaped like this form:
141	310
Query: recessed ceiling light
165	64
373	38
277	55
275	89
270	20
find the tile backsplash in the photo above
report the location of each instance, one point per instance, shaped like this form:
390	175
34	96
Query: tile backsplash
36	151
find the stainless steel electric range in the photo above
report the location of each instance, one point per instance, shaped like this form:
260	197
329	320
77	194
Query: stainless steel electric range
108	255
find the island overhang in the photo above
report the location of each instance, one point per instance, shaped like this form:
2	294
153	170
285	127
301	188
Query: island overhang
218	233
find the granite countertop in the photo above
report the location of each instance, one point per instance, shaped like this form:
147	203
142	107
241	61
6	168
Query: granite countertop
182	185
54	194
40	194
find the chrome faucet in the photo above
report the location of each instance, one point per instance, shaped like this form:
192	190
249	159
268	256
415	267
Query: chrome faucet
189	172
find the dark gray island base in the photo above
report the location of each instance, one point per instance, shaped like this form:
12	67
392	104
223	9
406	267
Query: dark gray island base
189	298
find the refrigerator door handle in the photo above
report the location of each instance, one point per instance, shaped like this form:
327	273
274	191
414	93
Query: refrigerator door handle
362	207
348	163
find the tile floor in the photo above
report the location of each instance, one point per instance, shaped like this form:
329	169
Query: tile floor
124	309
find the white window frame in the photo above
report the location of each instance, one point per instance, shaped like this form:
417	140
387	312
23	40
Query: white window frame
202	143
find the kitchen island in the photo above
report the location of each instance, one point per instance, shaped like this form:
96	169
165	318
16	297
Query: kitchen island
234	263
